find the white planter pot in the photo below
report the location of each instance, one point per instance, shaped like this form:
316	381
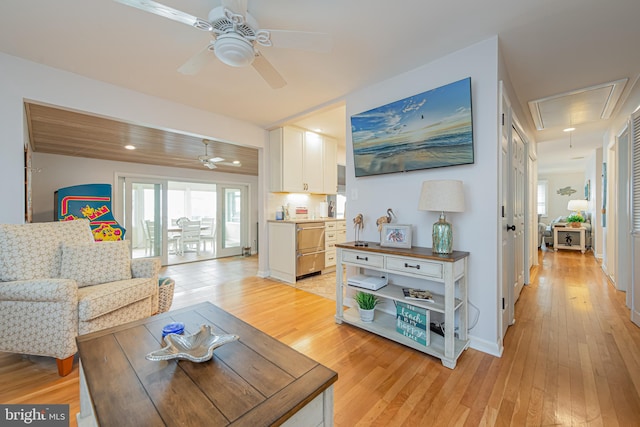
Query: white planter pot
366	315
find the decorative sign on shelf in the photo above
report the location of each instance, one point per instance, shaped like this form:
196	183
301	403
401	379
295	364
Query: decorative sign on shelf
413	322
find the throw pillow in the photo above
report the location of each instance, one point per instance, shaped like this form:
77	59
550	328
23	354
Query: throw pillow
33	251
97	262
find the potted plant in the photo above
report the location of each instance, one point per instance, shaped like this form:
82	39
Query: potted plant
575	220
366	305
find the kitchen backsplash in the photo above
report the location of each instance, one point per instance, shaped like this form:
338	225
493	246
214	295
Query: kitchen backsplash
313	203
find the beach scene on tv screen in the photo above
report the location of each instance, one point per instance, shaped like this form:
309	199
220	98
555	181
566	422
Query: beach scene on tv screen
429	130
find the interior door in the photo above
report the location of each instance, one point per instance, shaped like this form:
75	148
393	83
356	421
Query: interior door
507	259
517	178
233	220
145	217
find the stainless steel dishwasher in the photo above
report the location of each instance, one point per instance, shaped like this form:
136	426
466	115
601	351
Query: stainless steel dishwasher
309	248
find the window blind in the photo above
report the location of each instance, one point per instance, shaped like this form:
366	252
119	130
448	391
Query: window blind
635	172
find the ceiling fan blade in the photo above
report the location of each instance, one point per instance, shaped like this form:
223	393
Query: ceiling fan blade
315	42
168	12
268	73
236	6
196	62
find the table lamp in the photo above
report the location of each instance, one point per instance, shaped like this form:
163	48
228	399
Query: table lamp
442	196
578	206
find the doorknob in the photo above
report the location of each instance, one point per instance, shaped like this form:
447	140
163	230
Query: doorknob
511	227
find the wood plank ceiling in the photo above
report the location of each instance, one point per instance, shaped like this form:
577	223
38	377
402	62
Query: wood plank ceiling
59	131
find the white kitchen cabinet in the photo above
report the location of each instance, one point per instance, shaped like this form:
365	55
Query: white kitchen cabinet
285	146
341	231
330	235
335	232
313	163
302	162
282	251
445	273
330	155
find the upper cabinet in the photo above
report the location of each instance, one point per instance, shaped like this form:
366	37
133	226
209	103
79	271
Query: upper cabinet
330	156
302	162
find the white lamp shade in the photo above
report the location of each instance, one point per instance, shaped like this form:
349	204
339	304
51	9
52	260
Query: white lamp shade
578	205
442	196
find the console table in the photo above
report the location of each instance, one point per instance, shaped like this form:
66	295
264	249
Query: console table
564	238
441	274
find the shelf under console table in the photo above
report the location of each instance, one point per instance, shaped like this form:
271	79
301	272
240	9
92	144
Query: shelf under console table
417	263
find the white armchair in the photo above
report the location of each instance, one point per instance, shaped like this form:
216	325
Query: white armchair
57	283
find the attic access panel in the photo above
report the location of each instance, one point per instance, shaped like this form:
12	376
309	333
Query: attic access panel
579	106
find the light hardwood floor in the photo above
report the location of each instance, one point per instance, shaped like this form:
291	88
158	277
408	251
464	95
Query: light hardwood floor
572	357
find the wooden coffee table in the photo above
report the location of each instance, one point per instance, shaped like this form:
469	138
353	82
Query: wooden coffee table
255	381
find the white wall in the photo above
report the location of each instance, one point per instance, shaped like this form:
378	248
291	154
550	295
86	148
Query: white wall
23	79
476	229
27	80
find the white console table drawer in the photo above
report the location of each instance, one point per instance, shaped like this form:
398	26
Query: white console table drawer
415	266
364	259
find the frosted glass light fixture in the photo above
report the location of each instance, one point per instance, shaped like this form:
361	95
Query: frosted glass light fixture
442	196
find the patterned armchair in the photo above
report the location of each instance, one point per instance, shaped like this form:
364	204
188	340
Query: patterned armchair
57	283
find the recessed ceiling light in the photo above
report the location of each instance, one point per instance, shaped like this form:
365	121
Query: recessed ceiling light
318	130
568	129
130	147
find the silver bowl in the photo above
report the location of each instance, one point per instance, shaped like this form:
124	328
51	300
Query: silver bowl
197	347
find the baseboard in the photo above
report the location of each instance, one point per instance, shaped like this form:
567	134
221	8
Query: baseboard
635	317
494	349
263	274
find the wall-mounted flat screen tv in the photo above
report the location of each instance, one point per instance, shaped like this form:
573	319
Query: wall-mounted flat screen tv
430	130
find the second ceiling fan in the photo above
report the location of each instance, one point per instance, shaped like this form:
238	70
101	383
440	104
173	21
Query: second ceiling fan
236	36
211	161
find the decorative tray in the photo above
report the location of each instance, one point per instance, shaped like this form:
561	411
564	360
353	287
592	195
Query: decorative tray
197	347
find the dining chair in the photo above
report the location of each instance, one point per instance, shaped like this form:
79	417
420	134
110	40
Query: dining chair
208	233
148	228
189	236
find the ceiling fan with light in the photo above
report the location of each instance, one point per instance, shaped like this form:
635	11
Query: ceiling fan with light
211	161
236	36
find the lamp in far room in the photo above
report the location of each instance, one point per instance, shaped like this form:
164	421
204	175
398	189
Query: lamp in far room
442	196
578	206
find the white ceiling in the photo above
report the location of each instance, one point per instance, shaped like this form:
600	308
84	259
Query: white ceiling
550	47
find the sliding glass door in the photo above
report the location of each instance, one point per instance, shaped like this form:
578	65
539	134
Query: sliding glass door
153	211
233	214
197	203
142	210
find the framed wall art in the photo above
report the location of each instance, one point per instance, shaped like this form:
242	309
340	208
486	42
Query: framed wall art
430	130
587	190
396	235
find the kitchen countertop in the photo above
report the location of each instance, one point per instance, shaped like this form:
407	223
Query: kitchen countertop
297	221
